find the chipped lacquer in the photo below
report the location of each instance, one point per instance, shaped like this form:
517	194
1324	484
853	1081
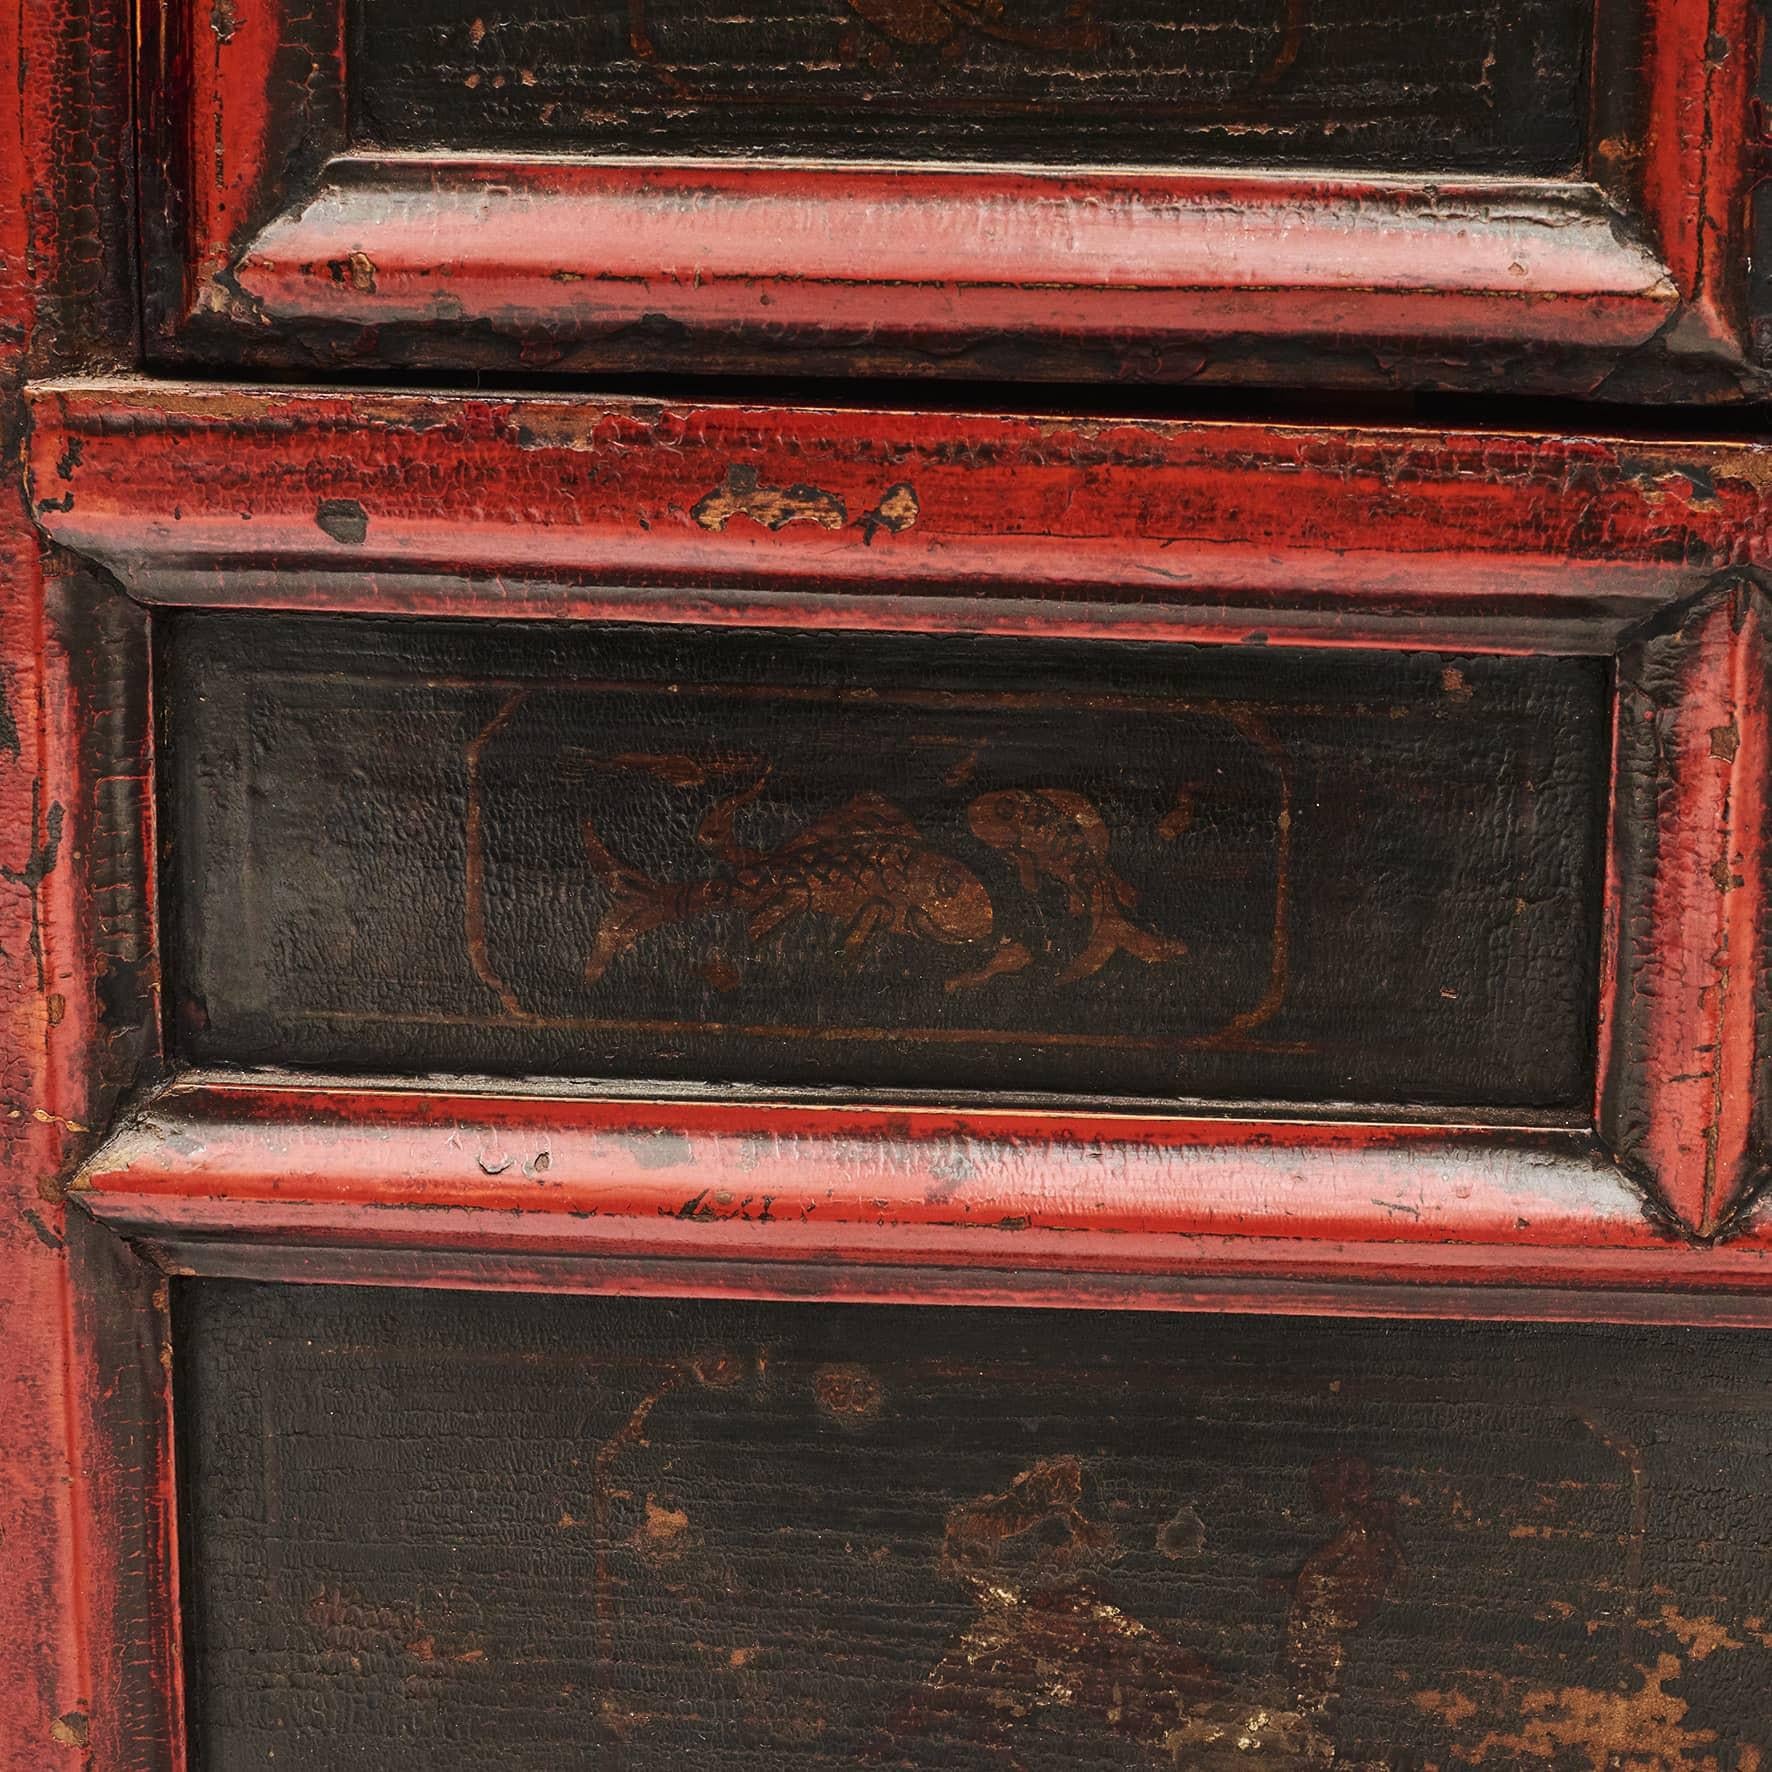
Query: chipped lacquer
1330	541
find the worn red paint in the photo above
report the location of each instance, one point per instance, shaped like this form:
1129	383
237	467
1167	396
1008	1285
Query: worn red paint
1683	1041
91	1673
936	255
541	506
1391	537
452	505
1698	160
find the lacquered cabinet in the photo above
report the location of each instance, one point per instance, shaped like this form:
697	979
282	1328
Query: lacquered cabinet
1053	1052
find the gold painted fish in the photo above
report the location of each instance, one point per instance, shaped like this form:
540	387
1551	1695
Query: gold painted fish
1058	835
864	866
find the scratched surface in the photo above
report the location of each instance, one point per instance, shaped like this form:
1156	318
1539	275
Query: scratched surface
1455	84
461	1530
894	861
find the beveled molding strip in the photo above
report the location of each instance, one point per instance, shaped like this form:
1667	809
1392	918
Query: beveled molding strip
772	515
1650	552
400	240
326	1180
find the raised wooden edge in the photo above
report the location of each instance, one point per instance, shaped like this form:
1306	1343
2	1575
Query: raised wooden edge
234	105
84	1604
257	220
852	517
330	1181
1686	1039
457	505
125	1502
564	249
90	1674
1700	159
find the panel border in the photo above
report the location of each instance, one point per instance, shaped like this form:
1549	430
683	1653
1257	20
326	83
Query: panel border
335	1181
93	1674
764	514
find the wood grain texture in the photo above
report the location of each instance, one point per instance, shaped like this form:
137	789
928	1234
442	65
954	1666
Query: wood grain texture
894	863
445	1527
1492	86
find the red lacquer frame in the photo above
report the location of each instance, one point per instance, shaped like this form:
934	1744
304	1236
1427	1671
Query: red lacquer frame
88	1577
1167	530
268	240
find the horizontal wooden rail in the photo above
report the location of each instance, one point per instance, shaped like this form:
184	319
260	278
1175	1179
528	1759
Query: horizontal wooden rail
848	517
560	248
592	1192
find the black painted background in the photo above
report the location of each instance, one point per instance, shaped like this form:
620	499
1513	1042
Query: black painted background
1440	860
471	1531
1420	85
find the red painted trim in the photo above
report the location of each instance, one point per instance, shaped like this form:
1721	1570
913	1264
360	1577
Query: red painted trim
327	1181
48	1684
1684	1041
668	1169
568	249
84	1681
1699	156
1737	1301
124	1500
540	505
231	103
90	1679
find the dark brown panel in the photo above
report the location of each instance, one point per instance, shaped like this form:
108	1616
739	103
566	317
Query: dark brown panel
886	861
1465	85
460	1531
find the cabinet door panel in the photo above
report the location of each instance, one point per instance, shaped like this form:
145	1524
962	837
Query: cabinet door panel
887	861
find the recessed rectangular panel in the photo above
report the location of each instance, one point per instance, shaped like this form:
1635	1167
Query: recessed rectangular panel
462	1531
1494	85
885	861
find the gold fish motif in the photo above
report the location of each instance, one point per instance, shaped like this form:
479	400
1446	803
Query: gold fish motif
1057	835
864	866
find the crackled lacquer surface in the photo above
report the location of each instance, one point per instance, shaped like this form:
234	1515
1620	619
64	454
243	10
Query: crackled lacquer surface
893	861
462	1530
1479	85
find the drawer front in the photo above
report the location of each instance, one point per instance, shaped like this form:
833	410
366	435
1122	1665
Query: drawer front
1055	854
443	1528
1522	195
